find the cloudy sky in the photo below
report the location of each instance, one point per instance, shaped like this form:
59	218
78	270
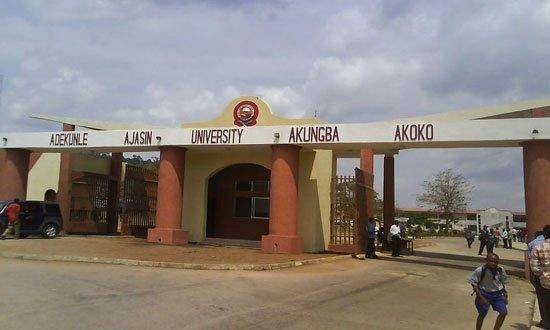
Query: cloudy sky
166	62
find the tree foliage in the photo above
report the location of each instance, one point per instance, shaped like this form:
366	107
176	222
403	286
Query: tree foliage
345	195
448	192
138	160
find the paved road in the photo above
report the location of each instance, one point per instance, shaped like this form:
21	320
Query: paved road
349	294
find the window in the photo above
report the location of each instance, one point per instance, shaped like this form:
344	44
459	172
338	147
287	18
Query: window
260	186
243	207
32	207
243	186
252	207
260	207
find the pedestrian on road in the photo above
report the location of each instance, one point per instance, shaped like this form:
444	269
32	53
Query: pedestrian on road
540	267
402	230
14	224
469	237
513	233
488	283
504	235
371	236
395	240
382	238
509	237
482	239
490	241
496	234
538	239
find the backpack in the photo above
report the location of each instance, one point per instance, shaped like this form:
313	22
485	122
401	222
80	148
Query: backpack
484	270
482	275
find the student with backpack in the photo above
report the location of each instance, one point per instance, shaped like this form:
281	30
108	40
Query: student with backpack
488	282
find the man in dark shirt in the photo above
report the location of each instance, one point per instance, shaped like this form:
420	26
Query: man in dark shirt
482	239
371	236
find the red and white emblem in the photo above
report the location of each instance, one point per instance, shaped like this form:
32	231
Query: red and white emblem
245	113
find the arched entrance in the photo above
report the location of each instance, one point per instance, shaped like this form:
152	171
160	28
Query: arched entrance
238	202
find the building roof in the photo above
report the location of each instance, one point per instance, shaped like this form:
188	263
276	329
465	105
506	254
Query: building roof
92	124
426	210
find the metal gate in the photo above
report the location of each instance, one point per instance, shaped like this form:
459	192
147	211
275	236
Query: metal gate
348	213
138	200
89	203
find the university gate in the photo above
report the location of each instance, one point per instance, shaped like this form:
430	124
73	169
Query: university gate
138	200
133	213
348	213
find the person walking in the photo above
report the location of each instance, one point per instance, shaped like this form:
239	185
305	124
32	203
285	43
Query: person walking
14	224
504	236
469	235
371	236
395	240
382	238
496	234
513	233
482	239
540	267
490	241
488	282
509	237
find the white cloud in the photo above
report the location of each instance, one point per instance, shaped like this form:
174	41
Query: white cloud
344	28
68	10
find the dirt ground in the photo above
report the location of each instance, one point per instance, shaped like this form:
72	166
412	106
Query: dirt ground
140	249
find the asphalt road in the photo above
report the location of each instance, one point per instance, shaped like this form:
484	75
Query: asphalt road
348	294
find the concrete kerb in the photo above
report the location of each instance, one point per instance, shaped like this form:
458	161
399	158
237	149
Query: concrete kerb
176	265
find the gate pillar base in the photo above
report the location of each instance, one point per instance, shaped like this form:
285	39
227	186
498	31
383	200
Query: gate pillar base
281	244
167	236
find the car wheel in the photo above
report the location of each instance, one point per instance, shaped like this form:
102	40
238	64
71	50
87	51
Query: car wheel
23	235
49	231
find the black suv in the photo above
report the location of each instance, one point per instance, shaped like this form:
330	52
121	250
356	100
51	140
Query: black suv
43	218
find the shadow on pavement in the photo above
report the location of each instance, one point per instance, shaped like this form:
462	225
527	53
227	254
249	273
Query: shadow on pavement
480	259
423	258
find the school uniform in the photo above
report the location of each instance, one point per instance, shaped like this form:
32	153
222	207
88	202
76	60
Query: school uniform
491	286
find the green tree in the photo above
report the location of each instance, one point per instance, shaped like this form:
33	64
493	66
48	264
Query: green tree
448	192
378	206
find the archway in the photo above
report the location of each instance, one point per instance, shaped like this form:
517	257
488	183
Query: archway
238	202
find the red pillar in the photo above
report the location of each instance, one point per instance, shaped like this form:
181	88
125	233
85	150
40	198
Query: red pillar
14	172
536	171
115	175
283	202
389	192
65	183
366	164
169	198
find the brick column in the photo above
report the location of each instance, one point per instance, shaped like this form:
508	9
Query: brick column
389	193
115	175
14	172
65	183
536	171
283	202
169	198
366	164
